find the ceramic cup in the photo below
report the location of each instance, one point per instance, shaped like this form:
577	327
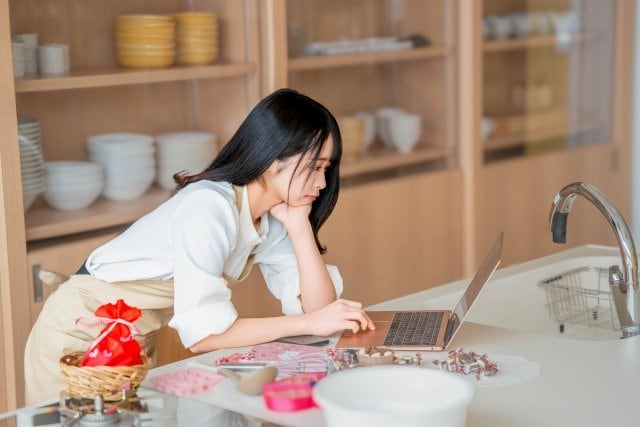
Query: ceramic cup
487	126
53	58
383	116
404	131
521	23
501	26
19	58
540	22
31	48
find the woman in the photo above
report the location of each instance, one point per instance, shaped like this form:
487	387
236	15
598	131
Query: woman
262	200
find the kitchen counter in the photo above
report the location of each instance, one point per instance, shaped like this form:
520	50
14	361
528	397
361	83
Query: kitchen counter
580	383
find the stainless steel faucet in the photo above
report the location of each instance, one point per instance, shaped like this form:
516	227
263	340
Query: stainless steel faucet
623	285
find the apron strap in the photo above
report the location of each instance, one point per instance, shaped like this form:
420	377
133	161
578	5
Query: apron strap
247	267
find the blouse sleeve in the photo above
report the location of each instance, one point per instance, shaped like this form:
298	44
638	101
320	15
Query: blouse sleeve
203	233
278	265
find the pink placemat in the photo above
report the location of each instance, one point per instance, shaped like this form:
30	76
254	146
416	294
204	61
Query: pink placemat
187	381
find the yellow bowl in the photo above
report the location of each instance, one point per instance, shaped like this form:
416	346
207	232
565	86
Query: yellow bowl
195	17
198	25
145	61
143	40
145	52
151	47
191	32
193	44
146	29
195	50
193	58
144	26
151	32
196	42
141	18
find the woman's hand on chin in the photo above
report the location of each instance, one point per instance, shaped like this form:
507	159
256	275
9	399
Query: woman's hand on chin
291	216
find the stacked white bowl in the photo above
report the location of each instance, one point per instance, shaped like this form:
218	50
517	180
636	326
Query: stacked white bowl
128	160
72	185
53	59
180	151
31	166
19	58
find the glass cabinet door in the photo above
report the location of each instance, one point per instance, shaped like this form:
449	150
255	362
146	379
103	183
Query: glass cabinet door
386	69
547	75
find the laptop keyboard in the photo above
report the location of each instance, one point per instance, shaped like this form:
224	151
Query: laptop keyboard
419	328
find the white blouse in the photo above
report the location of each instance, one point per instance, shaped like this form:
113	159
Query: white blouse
195	237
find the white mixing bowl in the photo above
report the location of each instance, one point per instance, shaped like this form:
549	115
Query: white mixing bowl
393	395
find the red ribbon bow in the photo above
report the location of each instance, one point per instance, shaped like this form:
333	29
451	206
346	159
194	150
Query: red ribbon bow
115	345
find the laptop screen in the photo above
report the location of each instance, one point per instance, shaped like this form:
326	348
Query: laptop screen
482	276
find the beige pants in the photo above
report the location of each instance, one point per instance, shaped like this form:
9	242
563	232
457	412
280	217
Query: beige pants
55	332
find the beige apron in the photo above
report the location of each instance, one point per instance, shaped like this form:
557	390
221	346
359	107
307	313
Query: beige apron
55	333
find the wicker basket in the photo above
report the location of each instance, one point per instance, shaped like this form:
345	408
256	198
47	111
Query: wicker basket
107	381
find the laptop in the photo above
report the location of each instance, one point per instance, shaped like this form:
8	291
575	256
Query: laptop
424	330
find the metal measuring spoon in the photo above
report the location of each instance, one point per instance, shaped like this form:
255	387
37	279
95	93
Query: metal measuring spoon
253	382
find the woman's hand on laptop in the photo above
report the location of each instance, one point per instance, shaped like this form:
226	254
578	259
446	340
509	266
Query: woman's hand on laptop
336	317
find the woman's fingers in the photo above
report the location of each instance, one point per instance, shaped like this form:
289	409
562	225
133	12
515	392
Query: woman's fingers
354	308
363	320
354	317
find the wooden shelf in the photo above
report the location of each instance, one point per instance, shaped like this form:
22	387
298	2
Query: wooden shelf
44	222
115	76
534	136
524	43
345	60
381	159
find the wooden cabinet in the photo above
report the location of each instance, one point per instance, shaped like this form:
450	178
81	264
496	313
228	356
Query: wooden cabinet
406	219
368	58
97	96
547	66
555	109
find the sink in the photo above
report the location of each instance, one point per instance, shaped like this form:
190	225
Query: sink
569	299
564	295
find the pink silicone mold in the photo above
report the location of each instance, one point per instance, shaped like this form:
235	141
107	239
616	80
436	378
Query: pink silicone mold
186	382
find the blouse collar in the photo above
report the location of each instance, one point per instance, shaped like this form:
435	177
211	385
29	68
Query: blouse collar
248	232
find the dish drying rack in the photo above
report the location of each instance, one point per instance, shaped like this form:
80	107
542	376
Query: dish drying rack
570	302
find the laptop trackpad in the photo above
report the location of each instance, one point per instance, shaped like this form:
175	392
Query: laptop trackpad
381	329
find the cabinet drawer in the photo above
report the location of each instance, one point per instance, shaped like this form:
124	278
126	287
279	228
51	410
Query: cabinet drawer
64	256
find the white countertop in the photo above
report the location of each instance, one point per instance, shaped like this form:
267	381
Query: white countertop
581	383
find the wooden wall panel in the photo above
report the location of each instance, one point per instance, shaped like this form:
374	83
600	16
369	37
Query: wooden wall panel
395	237
516	196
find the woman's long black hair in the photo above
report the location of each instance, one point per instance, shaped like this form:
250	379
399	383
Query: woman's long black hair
284	124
